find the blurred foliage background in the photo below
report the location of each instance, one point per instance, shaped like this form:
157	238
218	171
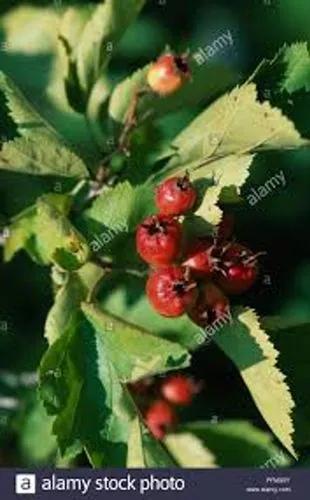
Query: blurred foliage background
278	224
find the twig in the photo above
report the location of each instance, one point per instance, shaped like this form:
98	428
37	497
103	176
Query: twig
131	120
103	172
108	266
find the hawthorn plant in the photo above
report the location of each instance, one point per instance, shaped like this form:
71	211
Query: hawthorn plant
127	314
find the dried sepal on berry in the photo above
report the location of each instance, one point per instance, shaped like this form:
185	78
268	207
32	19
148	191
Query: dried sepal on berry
158	240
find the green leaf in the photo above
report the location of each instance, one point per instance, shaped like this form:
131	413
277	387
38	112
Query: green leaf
47	234
30	123
64	367
80	375
237	123
124	297
42	77
294	363
229	172
43	157
72	25
224	136
189	451
112	219
78	379
22	228
30	30
36	441
57	240
297	74
135	353
123	206
77	288
70	31
64	310
105	27
237	444
40	150
20	234
226	444
144	451
124	92
251	350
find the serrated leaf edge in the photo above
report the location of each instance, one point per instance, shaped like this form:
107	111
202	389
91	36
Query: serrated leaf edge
261	338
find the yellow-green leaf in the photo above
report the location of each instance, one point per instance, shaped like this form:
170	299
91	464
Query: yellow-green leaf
189	451
230	171
251	350
219	144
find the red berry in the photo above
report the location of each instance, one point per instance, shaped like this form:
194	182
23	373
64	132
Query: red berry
201	257
158	240
171	291
239	279
175	196
210	306
160	417
168	74
239	269
178	390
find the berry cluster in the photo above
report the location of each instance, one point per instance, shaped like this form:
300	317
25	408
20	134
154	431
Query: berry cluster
193	278
159	401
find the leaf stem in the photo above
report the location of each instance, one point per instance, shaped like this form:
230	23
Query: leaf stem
79	187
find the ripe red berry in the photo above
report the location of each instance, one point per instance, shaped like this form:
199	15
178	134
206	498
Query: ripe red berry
175	196
239	269
160	417
201	257
158	240
179	390
168	74
239	279
210	306
170	291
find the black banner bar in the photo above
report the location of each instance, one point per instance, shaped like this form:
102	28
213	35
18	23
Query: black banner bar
181	484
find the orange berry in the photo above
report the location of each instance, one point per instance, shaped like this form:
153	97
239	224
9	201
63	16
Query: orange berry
168	74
